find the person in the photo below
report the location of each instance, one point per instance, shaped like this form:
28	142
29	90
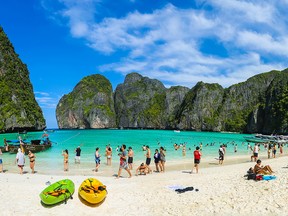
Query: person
184	150
1	162
274	149
148	158
130	158
65	155
97	159
157	159
281	148
264	170
77	156
32	157
255	152
20	160
197	158
269	149
123	161
221	155
235	148
142	169
162	159
109	155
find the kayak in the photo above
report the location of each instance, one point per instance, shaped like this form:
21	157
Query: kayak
58	192
92	191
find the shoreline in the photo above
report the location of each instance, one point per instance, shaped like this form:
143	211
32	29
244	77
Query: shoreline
87	169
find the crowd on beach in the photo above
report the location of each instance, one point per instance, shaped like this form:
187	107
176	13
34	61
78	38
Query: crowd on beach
126	157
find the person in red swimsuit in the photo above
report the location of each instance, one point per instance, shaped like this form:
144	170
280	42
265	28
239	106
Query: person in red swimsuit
197	157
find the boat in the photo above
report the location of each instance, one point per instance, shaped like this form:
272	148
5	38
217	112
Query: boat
36	145
92	191
58	192
177	131
260	138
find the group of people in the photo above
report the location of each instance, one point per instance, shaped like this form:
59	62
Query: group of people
20	161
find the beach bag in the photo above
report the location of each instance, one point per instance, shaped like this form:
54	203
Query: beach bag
251	176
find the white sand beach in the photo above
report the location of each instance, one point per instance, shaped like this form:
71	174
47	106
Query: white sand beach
222	191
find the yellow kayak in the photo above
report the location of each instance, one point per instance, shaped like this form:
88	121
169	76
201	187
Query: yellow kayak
92	191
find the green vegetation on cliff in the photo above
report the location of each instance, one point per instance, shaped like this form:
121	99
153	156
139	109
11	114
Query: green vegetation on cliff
18	107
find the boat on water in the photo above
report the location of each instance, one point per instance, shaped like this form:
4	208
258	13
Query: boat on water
260	138
177	131
36	145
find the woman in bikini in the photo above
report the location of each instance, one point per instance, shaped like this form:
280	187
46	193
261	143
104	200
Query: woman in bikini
66	156
264	170
32	161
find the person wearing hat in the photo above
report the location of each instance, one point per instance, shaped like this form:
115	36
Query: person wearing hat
20	160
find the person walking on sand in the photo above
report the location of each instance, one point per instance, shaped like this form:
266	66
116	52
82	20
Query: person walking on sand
20	160
32	157
123	161
197	158
148	158
130	158
97	159
78	154
65	155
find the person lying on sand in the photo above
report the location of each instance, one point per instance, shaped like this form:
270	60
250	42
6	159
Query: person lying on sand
264	170
142	169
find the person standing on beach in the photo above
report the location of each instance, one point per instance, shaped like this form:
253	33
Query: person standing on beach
130	158
97	159
123	161
108	153
1	162
148	158
274	150
32	157
255	152
77	156
20	160
197	158
221	155
162	159
65	155
157	160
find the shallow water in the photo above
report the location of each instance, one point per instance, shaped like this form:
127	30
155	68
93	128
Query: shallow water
51	160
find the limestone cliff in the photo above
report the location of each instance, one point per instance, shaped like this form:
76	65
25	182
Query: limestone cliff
89	105
18	108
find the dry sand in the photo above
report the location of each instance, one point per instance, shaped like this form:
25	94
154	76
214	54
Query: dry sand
222	191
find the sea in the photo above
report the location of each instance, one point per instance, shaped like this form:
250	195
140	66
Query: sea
90	139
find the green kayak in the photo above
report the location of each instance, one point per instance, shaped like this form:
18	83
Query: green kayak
58	192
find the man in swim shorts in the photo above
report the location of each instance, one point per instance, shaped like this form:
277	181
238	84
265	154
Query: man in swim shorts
77	156
197	157
123	161
148	158
20	160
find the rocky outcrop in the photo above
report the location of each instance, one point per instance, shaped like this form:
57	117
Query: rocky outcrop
258	105
18	108
199	110
89	105
140	103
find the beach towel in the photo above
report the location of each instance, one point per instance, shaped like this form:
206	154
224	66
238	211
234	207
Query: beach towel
268	177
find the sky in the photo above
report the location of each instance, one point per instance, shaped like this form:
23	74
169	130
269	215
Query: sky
179	42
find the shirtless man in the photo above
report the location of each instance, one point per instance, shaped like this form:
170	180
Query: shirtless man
142	169
148	158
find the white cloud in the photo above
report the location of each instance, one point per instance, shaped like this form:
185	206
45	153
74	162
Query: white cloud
45	100
167	44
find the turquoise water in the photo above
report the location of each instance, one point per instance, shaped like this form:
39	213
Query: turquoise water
90	139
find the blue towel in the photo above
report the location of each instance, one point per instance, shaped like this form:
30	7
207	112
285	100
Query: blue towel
268	177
